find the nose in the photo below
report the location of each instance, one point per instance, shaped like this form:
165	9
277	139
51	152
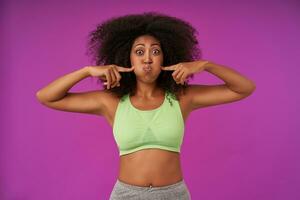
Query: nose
148	58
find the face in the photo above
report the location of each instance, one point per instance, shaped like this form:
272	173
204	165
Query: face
147	57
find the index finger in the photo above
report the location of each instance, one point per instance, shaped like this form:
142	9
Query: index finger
124	69
169	68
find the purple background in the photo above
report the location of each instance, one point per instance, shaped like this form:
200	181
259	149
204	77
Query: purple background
243	150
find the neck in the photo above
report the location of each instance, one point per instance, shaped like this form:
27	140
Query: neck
147	90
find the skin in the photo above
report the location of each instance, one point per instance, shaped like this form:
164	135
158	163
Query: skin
147	167
146	50
155	167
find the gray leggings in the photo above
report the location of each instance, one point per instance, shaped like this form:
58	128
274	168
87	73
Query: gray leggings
124	191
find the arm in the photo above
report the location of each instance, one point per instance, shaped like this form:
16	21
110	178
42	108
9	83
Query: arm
236	87
55	95
234	80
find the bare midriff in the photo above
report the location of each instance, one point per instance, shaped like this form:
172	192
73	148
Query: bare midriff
150	167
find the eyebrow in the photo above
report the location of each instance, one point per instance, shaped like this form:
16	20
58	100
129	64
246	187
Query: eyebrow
151	44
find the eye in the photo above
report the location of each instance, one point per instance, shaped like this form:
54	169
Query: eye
157	51
138	52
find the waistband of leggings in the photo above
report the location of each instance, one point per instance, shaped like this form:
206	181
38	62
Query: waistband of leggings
136	187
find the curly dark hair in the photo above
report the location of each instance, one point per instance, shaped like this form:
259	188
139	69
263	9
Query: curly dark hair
111	42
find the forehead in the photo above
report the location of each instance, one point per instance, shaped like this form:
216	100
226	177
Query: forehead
144	39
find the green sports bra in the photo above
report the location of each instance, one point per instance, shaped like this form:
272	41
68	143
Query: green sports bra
161	128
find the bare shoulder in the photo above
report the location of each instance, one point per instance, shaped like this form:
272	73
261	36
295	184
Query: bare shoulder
184	99
109	104
107	98
105	95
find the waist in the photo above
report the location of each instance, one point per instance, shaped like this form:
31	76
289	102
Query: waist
153	167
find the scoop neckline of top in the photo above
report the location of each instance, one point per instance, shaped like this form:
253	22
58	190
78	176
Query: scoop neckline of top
152	110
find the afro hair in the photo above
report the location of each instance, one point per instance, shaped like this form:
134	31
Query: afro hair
111	42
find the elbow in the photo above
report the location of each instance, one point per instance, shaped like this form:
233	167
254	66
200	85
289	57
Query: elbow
39	97
251	89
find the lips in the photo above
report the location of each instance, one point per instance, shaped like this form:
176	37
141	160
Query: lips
147	68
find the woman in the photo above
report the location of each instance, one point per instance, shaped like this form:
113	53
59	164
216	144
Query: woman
145	60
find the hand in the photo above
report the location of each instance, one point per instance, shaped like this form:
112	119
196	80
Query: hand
109	73
185	69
